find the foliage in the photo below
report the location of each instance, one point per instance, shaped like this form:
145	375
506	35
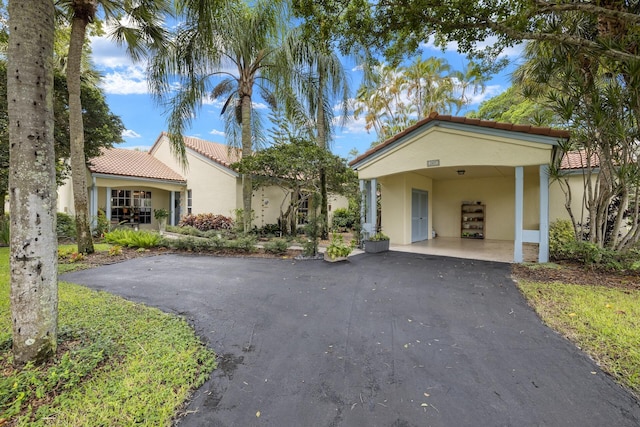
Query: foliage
118	361
102	224
5	234
276	246
391	99
344	219
378	237
562	239
398	27
244	244
312	230
115	250
512	107
65	226
601	321
132	238
338	248
206	222
102	128
295	168
160	213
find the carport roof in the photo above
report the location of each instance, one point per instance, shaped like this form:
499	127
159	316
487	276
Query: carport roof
435	117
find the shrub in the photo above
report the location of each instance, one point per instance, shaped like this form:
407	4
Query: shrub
132	238
343	219
206	222
276	246
337	247
66	226
562	240
102	224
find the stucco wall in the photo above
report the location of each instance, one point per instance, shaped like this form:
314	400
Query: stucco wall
395	201
557	199
454	147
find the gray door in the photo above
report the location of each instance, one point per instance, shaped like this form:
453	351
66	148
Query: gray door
419	215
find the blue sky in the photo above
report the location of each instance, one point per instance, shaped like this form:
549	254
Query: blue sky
127	94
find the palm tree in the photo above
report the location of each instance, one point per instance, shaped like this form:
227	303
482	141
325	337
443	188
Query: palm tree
320	80
237	44
32	181
471	78
143	30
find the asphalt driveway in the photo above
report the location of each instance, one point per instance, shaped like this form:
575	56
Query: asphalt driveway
391	339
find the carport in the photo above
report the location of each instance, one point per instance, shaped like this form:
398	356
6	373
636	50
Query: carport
423	175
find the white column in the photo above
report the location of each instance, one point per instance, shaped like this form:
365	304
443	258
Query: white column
108	203
543	246
517	245
93	203
172	203
373	205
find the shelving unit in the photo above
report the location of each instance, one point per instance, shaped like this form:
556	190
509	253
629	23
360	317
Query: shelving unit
472	220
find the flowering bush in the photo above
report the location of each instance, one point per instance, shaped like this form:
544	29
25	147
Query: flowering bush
206	222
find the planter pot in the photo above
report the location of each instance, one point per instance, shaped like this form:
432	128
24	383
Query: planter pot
162	225
336	259
375	246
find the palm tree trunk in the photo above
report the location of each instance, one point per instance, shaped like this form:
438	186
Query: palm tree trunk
32	181
322	142
247	149
76	131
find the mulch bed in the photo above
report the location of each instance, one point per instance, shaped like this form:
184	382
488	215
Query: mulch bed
577	274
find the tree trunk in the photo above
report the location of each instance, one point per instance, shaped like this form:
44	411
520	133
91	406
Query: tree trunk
32	181
322	142
247	150
76	132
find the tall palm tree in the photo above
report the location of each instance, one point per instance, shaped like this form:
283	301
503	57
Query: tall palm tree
235	43
471	79
320	81
32	181
136	23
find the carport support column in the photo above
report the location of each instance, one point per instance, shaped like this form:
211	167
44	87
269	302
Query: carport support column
368	207
517	248
543	246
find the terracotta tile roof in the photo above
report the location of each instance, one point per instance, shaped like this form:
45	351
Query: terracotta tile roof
140	164
433	117
220	153
578	160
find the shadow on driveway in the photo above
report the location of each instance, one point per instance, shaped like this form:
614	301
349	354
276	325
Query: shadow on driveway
392	339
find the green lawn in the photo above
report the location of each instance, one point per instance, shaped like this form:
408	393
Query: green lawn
604	322
123	364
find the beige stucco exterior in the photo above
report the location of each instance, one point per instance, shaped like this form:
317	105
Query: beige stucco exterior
455	164
214	188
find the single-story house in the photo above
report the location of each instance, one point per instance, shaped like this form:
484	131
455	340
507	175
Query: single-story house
128	185
466	178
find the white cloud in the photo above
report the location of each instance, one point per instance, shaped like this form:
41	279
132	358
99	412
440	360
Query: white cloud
128	81
128	133
217	132
107	54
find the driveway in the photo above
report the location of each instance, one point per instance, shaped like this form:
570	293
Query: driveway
392	339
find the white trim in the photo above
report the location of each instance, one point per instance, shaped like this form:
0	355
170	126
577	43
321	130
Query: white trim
139	179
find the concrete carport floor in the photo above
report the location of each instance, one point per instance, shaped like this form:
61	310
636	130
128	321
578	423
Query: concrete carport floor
393	339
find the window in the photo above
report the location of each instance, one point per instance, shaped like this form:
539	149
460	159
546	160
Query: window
189	202
131	206
303	208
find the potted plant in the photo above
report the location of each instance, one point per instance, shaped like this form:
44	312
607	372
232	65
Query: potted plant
337	250
161	216
379	242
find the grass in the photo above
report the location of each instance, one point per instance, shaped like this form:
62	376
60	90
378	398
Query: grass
119	363
604	322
